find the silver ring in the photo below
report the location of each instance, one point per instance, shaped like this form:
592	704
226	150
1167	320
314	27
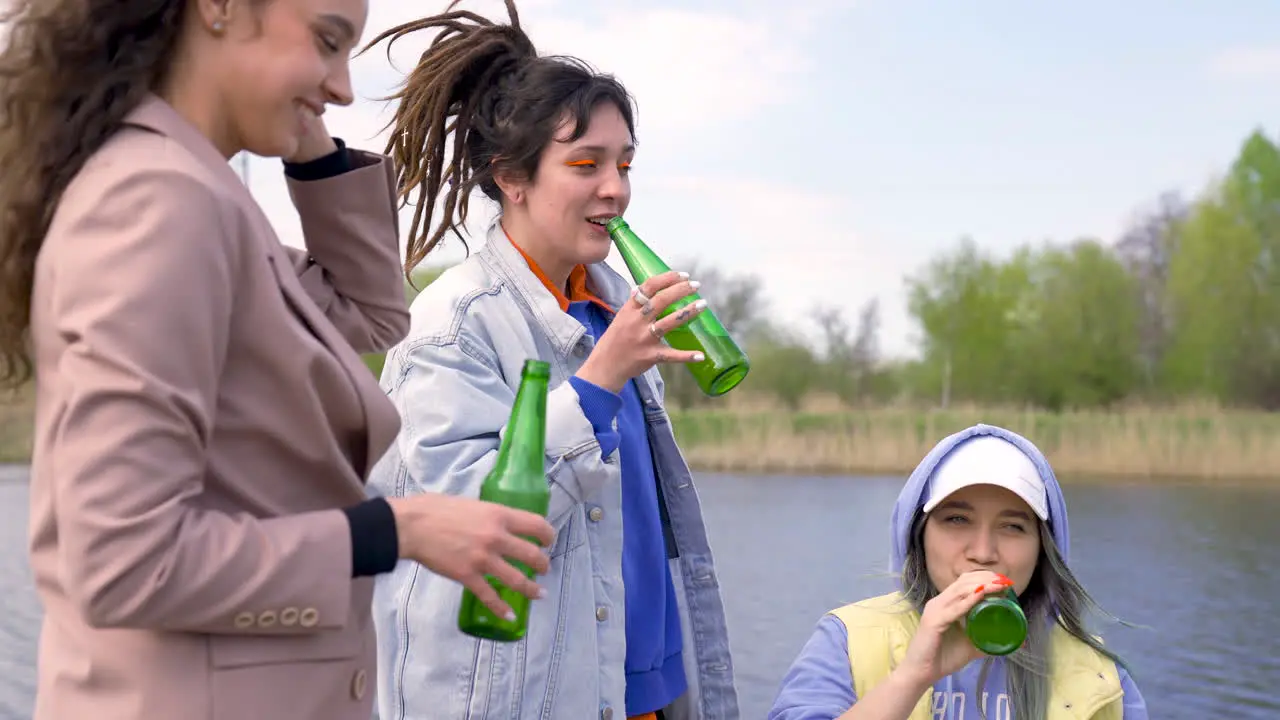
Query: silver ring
639	296
654	331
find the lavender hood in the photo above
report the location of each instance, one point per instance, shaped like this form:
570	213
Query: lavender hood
914	492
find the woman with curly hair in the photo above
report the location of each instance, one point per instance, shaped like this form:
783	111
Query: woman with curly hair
200	536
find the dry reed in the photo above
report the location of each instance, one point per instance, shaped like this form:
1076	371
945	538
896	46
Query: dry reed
17	413
749	435
1189	442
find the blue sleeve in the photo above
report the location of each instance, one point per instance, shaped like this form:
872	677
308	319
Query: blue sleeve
819	684
1135	707
601	407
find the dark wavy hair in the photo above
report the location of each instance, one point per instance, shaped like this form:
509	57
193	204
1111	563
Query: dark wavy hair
485	83
70	71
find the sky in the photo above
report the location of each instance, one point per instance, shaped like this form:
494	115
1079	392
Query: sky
833	147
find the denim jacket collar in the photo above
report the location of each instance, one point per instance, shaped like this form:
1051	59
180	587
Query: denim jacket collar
510	267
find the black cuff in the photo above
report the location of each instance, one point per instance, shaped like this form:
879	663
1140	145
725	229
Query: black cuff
331	165
375	547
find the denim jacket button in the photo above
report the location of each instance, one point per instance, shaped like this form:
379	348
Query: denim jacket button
606	713
595	514
602	614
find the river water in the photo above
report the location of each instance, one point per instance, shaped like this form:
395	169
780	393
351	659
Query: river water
1193	566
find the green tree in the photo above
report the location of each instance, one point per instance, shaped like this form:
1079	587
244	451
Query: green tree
783	365
966	305
1076	341
1224	287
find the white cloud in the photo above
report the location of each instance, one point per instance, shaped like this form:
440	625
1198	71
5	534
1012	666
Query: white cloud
1250	62
695	74
803	245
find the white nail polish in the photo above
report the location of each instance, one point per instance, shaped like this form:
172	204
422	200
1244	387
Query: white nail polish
695	284
684	276
702	303
699	357
511	616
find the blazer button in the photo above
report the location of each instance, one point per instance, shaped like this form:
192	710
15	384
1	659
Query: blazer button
244	620
309	617
358	684
595	514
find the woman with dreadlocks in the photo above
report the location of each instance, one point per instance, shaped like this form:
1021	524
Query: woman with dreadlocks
981	514
632	624
201	540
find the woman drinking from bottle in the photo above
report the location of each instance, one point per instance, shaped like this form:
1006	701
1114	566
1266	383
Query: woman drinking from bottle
201	541
981	515
632	624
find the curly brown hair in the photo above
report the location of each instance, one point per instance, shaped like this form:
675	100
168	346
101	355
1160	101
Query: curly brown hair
70	71
485	83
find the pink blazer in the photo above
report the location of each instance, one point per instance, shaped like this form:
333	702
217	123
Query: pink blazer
202	414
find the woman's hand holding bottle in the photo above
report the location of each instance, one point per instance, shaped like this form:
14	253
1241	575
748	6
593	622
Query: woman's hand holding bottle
465	540
940	646
633	343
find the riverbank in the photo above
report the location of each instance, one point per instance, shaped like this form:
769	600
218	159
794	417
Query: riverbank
744	435
1166	444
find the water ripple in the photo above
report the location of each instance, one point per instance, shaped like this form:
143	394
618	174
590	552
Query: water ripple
1192	565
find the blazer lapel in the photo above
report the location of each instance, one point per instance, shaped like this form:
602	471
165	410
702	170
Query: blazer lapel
154	114
380	432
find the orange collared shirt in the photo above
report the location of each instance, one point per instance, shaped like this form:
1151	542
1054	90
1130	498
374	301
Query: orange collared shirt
577	282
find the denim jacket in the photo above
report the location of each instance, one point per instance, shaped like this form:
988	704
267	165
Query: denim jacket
453	380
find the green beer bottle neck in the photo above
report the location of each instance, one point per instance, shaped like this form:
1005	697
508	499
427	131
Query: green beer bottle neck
523	449
641	261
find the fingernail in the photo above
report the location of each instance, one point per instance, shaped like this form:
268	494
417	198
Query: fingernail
684	276
978	589
699	357
542	593
695	284
511	616
702	303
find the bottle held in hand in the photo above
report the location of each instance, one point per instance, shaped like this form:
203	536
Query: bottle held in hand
725	364
997	625
518	480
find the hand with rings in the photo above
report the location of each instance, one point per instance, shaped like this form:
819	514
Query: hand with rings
633	343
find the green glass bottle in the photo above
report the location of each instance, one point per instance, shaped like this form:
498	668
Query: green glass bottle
997	625
725	364
518	480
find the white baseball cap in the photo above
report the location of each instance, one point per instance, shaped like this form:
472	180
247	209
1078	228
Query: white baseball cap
989	460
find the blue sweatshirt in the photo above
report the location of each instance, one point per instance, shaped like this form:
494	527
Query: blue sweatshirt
654	663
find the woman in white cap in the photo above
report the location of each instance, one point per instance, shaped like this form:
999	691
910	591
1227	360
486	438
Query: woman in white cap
981	513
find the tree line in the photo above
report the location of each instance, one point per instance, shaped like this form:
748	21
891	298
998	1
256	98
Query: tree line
1184	305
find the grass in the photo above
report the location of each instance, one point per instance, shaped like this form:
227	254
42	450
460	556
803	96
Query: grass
1170	443
16	426
747	435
